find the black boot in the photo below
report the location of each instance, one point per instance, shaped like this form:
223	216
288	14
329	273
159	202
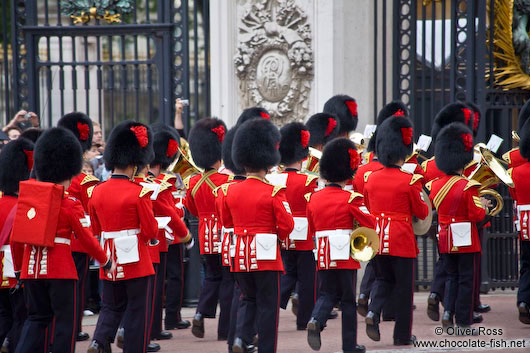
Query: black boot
404	342
333	315
477	318
153	347
96	347
119	337
82	336
313	334
295	302
447	320
482	308
433	307
241	347
524	313
372	326
362	304
358	349
197	328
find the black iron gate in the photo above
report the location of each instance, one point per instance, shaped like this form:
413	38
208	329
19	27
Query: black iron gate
442	51
134	69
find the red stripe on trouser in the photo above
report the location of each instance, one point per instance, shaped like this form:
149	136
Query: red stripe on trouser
153	291
277	313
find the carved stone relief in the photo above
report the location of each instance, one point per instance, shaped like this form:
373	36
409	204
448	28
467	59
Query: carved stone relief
274	61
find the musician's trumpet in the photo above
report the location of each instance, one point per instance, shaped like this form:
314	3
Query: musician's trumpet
184	165
364	244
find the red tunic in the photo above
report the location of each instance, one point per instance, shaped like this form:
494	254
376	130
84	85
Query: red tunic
56	262
200	201
431	171
418	169
362	174
81	188
299	187
521	195
255	207
6	205
333	208
460	203
393	196
119	204
514	158
154	248
164	206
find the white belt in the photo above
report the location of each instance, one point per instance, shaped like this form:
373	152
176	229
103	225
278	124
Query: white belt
333	232
120	233
59	240
523	208
5	248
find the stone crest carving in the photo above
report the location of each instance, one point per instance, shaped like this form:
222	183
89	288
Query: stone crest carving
274	61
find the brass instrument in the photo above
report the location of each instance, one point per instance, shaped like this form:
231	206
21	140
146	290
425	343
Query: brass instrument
184	165
488	173
314	156
359	141
422	226
364	244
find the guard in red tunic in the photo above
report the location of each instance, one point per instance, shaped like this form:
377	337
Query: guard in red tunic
80	188
332	214
205	142
521	195
261	217
16	162
48	273
122	215
345	109
394	108
394	196
514	157
297	253
453	112
227	234
459	209
165	146
323	127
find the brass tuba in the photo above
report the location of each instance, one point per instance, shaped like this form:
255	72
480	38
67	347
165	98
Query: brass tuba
184	165
488	173
364	244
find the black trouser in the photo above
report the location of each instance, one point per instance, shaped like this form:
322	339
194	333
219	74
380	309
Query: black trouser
12	315
47	299
439	278
476	288
218	285
81	261
175	284
130	298
523	294
299	268
461	279
368	279
394	278
259	304
341	284
158	298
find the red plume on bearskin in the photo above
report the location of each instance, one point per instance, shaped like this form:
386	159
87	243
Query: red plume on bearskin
294	143
454	148
323	127
205	141
332	123
339	160
394	140
172	148
354	158
468	141
220	132
345	108
467	115
265	115
84	131
406	135
452	112
29	159
304	138
141	135
253	113
80	125
352	106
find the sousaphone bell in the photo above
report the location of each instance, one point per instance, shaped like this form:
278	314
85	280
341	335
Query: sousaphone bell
184	165
364	244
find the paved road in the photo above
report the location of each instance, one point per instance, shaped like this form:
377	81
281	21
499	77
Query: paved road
502	317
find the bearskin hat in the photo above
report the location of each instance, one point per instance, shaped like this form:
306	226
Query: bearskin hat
16	162
251	113
166	146
339	160
452	112
524	143
345	108
454	148
58	156
477	117
228	142
205	140
294	143
80	125
256	145
394	108
524	114
32	134
395	140
129	143
323	127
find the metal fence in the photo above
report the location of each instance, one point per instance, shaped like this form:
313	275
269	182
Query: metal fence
432	52
129	70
